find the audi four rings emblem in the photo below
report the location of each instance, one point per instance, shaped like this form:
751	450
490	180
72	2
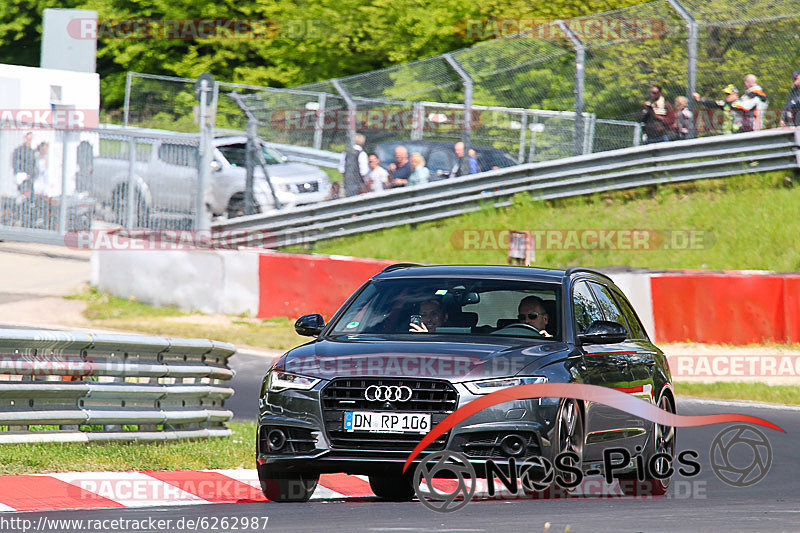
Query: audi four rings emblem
388	393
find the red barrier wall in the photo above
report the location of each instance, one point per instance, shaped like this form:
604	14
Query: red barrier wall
292	284
729	308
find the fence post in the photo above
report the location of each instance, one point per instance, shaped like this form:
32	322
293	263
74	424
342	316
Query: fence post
691	50
318	125
62	214
637	134
418	121
580	62
352	175
252	139
130	195
466	132
205	85
127	109
523	131
532	152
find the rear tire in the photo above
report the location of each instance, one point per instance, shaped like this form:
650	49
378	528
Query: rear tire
392	488
662	441
289	488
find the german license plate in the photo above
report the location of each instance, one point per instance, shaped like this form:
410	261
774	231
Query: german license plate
387	422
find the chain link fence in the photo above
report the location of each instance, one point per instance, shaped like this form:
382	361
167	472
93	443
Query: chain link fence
535	90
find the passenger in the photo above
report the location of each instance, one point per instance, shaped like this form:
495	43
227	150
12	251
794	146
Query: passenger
400	169
532	312
432	314
419	172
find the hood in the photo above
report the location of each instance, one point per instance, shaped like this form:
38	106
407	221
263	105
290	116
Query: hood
371	355
294	172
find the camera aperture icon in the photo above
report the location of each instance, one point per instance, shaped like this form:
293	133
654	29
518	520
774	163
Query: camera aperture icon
445	464
733	463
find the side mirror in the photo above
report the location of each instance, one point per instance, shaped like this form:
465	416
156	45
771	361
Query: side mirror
215	166
603	332
309	325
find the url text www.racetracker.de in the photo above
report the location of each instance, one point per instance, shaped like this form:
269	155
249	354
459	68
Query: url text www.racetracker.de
22	524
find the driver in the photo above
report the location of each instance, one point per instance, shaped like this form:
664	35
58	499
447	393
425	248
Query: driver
532	313
432	314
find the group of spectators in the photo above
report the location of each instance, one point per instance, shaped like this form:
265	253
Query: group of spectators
406	170
664	122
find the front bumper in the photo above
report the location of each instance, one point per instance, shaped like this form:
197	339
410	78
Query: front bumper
300	415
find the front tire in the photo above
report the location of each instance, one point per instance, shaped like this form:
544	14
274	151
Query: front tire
289	488
392	488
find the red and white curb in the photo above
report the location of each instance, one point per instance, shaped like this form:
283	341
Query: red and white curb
105	490
98	490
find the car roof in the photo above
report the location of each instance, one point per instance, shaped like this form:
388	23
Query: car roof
407	270
414	270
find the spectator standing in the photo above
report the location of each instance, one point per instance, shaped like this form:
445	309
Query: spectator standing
400	169
474	168
685	119
23	159
377	178
658	117
733	112
754	99
354	166
419	172
460	168
790	116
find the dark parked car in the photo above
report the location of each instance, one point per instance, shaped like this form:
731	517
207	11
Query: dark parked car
440	157
363	393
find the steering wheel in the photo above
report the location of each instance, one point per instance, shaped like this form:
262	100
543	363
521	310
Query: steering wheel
519	325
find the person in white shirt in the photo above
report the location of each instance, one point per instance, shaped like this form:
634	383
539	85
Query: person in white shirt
377	177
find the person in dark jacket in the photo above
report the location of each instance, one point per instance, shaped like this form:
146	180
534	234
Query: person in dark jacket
23	159
658	117
791	111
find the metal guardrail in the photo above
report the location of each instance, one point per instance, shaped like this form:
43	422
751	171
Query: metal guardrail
709	157
63	386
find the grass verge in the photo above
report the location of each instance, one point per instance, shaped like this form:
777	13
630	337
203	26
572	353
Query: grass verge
106	311
723	390
236	451
747	222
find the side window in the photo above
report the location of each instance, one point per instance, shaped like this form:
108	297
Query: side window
585	306
236	154
609	306
178	154
634	324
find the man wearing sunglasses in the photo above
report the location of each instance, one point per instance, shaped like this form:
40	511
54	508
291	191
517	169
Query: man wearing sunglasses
532	312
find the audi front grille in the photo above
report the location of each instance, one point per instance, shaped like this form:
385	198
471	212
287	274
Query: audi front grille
438	398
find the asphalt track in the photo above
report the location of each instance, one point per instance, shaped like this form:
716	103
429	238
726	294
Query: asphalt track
702	503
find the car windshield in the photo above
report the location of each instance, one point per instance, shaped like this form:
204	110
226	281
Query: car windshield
236	154
421	308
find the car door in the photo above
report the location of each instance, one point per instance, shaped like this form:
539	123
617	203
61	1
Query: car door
644	360
632	354
605	365
173	180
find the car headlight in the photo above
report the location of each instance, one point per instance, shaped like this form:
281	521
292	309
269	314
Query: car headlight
279	381
493	385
